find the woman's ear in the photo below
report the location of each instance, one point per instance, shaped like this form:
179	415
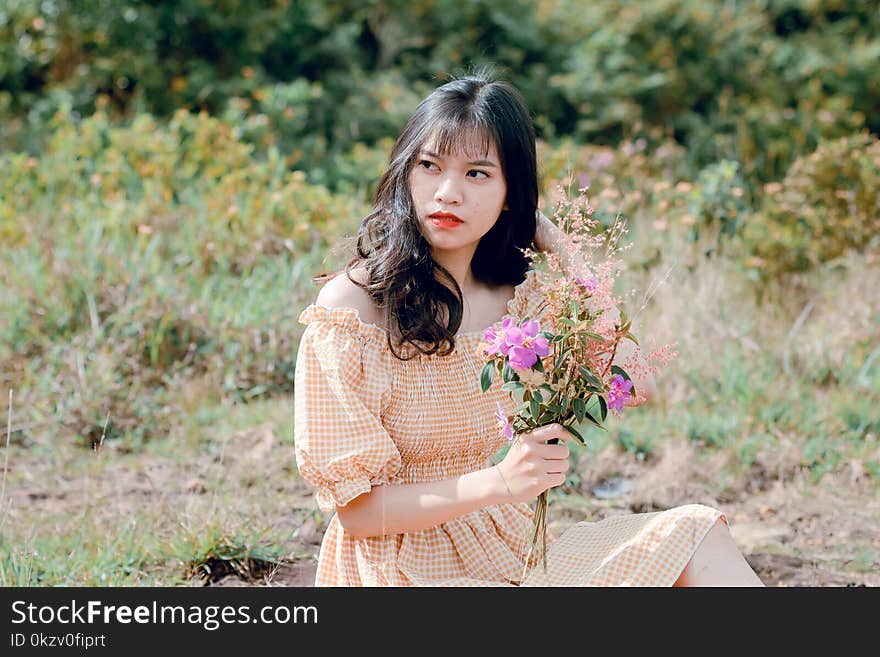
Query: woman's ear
505	207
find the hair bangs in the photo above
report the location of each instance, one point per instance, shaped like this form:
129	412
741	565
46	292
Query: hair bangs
461	135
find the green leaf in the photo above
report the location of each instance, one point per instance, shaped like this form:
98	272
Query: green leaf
538	366
537	397
588	377
487	375
580	409
593	420
574	432
507	373
562	357
595	336
512	385
619	370
603	408
630	336
575	310
535	408
567	321
556	408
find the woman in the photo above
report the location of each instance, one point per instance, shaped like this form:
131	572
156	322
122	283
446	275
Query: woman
391	426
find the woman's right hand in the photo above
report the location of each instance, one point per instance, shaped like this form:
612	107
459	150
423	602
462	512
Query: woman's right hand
532	466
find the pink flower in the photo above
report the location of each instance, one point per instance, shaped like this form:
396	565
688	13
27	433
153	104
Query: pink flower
502	341
520	344
590	284
496	342
619	392
521	358
524	354
530	331
541	346
530	328
504	427
601	160
513	335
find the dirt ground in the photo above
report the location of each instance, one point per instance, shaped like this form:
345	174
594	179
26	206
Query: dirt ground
793	532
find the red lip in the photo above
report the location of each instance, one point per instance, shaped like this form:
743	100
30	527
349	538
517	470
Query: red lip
444	215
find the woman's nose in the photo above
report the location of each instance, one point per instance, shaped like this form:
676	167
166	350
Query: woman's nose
447	192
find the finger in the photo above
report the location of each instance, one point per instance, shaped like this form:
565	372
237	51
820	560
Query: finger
558	451
555	452
548	432
562	436
555	467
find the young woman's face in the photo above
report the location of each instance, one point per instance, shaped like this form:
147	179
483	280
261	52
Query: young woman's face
457	196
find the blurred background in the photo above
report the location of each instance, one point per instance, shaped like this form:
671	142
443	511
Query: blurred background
172	173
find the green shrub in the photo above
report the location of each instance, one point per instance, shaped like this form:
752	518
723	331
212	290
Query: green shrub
143	254
728	80
828	203
755	83
717	202
620	180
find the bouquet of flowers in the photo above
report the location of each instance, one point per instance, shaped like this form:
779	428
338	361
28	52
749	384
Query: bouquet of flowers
566	366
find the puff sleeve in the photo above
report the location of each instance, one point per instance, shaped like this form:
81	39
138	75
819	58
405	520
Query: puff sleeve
528	300
342	380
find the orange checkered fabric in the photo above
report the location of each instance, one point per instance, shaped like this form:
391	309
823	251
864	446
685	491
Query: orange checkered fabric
363	418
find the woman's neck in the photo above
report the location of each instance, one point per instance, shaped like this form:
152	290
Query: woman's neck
459	265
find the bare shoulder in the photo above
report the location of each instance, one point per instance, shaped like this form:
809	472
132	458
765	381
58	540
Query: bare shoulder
339	292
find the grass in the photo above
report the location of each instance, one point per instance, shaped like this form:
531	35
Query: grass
152	328
173	513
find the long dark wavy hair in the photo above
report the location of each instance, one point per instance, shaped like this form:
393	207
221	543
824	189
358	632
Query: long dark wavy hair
402	277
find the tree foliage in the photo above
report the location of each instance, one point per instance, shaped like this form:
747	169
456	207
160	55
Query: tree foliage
758	83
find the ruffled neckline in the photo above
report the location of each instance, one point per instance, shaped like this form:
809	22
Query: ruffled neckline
349	318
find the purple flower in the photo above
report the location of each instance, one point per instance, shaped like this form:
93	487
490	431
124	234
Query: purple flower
513	335
504	427
502	341
619	392
521	358
601	160
541	346
520	344
496	342
590	284
530	331
530	328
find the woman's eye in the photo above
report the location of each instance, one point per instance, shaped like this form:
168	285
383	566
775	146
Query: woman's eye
478	174
427	164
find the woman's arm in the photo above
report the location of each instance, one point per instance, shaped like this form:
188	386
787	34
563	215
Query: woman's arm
402	508
549	238
530	467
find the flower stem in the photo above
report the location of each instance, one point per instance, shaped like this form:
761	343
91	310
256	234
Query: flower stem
539	532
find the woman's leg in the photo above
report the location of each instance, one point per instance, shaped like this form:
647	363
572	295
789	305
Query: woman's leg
718	562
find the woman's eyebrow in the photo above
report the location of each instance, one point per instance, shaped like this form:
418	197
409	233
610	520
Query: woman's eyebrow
478	163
